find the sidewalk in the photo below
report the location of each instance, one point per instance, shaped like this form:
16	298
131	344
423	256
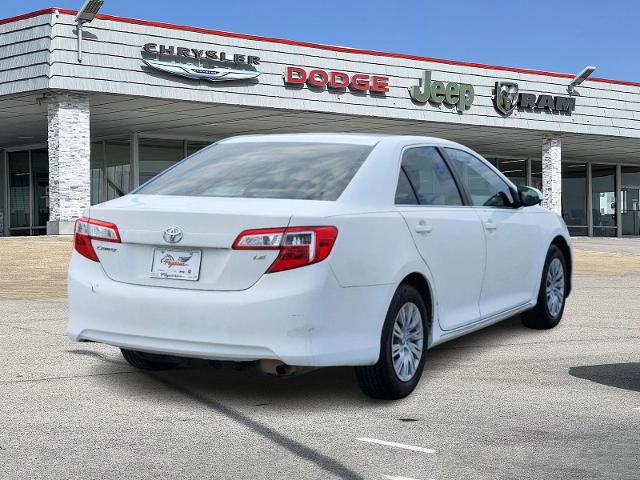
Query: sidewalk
625	245
606	256
34	267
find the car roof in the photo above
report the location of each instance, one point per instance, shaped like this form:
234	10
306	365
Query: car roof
351	138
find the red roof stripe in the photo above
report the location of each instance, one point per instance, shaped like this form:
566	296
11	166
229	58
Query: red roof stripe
319	46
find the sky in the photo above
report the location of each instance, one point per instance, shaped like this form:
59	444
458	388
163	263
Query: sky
551	35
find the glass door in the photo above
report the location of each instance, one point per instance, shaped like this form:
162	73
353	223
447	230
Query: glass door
40	191
28	173
630	200
574	198
603	195
19	198
110	170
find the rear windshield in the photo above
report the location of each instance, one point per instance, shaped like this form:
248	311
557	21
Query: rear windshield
292	170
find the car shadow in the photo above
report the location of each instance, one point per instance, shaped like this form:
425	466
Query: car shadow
239	395
329	386
619	375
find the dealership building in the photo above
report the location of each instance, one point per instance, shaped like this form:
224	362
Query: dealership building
91	109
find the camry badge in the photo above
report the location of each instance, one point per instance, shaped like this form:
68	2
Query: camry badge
172	235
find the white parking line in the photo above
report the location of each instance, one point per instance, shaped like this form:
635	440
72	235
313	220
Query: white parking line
397	445
389	477
636	408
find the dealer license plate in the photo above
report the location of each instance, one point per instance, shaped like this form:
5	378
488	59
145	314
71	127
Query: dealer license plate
175	264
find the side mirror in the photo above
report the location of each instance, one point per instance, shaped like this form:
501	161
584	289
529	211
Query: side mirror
529	196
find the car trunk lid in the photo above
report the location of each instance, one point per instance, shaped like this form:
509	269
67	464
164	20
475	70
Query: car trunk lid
209	227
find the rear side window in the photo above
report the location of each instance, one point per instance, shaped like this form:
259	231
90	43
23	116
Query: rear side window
425	179
405	194
289	170
484	186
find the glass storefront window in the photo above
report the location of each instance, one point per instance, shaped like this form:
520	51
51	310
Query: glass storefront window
514	170
630	200
110	170
193	147
117	166
574	197
157	155
604	200
28	195
536	174
19	196
111	163
96	162
2	193
40	186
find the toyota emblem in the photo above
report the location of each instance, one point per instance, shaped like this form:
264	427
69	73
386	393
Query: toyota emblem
172	235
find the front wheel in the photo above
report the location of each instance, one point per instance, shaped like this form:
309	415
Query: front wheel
552	294
402	348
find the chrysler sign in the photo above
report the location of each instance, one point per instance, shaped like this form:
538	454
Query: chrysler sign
209	65
171	51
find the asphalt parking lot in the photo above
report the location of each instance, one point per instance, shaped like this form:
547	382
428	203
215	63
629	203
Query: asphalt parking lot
504	403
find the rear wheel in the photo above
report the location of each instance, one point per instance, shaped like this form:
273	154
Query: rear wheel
552	294
149	361
402	348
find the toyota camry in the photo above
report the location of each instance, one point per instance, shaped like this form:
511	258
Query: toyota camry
293	252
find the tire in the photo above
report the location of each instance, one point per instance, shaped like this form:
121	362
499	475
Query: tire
545	315
148	361
382	380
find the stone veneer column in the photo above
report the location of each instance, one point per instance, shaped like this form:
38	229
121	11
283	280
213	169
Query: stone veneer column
552	173
69	150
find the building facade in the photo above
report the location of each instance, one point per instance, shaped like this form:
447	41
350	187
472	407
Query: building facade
86	120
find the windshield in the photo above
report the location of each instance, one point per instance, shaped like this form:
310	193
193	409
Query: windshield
291	170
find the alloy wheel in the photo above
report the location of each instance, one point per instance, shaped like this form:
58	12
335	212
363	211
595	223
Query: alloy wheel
408	340
555	287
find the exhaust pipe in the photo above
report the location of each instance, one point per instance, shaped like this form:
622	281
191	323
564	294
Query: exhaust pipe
280	369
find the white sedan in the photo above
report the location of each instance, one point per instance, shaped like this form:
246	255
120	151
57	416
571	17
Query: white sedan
312	250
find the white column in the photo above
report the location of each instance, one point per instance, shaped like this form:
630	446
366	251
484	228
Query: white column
552	173
69	151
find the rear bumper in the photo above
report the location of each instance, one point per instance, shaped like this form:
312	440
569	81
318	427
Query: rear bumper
301	317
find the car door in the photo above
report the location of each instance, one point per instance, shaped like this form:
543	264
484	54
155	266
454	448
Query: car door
512	235
447	234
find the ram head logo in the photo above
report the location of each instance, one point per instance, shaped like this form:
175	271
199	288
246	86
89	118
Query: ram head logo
506	97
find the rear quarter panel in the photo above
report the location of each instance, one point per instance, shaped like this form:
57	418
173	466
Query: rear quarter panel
372	249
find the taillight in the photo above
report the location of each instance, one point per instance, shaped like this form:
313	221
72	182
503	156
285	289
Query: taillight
88	229
298	246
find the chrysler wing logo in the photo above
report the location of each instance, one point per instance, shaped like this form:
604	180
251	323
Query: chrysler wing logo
172	235
506	97
216	74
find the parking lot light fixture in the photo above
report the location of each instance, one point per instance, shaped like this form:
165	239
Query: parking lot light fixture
581	77
86	14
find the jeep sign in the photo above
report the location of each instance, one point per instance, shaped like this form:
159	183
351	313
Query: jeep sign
459	94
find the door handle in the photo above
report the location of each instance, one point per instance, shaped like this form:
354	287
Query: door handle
422	227
490	225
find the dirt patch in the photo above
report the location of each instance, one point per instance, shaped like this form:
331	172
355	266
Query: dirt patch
587	262
34	267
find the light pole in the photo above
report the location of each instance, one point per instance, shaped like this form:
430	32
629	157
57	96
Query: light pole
581	77
86	14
